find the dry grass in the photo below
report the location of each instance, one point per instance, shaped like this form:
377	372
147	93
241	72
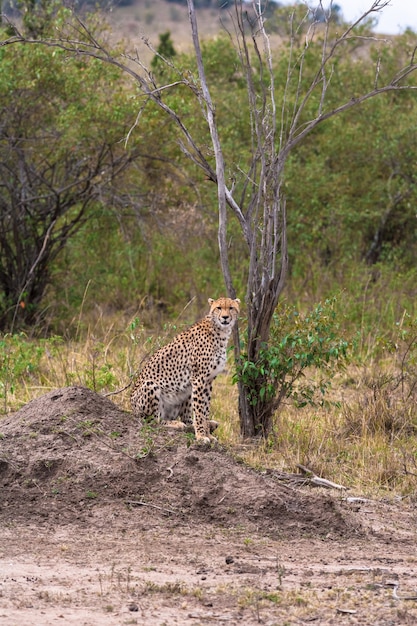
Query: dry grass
367	441
101	356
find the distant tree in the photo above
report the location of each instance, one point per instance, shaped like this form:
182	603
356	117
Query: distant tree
61	154
333	13
165	51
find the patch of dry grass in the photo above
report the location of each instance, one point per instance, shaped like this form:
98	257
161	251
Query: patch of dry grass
367	441
101	356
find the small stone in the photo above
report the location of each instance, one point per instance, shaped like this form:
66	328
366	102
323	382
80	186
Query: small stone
133	607
229	559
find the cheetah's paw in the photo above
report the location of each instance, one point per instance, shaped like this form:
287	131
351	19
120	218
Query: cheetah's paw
205	440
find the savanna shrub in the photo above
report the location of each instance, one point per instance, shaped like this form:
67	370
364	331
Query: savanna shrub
300	347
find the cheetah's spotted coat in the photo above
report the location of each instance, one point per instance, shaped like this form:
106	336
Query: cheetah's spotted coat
176	382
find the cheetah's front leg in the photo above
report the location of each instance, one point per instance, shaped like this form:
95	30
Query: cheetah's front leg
201	397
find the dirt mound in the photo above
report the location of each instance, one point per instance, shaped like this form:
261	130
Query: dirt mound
72	454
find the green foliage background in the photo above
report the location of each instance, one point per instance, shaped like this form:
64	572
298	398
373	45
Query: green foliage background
351	186
148	247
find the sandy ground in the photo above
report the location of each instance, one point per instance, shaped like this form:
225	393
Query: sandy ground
105	523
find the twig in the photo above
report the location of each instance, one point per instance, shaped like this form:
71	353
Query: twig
114	393
395	594
317	480
170	470
154	506
210	616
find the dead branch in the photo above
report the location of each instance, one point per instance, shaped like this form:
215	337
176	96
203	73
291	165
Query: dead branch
395	595
154	506
307	477
317	481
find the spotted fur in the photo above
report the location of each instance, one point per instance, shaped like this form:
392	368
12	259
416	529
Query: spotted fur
176	382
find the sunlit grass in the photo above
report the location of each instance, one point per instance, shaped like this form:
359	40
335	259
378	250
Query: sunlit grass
102	357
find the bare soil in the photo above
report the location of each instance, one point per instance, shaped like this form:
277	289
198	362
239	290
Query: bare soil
106	522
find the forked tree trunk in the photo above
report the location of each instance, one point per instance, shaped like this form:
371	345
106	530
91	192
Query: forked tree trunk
256	420
267	247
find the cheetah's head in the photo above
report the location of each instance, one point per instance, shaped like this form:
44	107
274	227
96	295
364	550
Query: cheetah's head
224	312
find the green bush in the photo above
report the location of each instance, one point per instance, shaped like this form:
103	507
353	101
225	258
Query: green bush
19	358
300	347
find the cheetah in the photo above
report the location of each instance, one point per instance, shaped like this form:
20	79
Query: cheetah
175	384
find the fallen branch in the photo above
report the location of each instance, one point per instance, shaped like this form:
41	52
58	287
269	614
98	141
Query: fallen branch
308	477
395	594
154	506
318	481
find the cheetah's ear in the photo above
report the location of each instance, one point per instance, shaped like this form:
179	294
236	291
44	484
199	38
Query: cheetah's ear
210	301
237	300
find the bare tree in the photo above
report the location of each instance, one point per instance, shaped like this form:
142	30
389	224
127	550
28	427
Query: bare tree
45	197
276	131
259	205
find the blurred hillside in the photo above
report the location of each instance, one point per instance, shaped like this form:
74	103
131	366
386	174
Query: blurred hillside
148	18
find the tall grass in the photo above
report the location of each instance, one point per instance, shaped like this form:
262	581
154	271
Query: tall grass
365	438
101	357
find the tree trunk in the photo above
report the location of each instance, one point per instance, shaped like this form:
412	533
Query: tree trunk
256	420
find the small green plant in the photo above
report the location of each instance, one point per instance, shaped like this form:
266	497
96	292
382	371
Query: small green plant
19	358
165	50
99	375
88	428
136	330
189	438
299	346
148	431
